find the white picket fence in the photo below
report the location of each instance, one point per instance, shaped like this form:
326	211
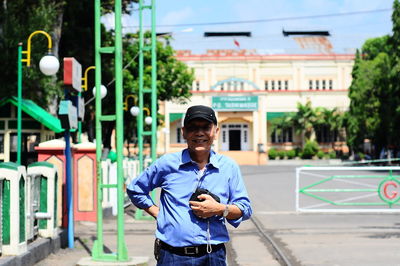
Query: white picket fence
109	170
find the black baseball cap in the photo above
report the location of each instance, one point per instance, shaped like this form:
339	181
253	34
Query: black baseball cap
200	111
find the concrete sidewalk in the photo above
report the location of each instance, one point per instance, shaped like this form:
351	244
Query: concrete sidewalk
245	247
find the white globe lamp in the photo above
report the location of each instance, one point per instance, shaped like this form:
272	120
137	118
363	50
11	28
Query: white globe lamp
148	120
103	91
49	65
134	110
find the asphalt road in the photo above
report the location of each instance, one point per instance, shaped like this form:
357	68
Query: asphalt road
319	238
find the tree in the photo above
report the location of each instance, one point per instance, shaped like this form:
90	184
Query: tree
18	19
307	119
174	78
304	121
372	105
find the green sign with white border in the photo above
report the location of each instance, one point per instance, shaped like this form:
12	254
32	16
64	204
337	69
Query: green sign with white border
235	103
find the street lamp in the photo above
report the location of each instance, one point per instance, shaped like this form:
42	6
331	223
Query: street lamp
135	110
103	91
148	118
48	65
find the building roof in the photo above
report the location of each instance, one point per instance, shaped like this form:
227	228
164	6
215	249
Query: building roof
36	112
253	55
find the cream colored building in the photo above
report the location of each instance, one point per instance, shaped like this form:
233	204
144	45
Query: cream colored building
247	90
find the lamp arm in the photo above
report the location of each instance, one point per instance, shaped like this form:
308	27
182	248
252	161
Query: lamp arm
28	50
147	110
84	79
126	101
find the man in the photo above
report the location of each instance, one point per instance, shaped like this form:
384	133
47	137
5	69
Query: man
191	228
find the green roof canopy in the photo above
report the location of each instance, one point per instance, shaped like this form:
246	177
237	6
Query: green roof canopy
37	113
273	115
175	116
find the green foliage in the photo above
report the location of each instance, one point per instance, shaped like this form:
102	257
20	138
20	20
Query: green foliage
332	155
281	154
310	149
291	154
307	119
174	78
320	154
18	19
361	155
272	154
374	112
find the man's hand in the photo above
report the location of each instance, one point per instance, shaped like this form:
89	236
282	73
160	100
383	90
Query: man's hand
207	208
153	211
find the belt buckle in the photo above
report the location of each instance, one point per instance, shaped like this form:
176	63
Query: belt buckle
191	250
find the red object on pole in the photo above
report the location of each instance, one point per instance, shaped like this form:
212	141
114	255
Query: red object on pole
73	73
236	43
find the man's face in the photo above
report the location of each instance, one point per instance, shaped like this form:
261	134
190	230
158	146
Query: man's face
200	134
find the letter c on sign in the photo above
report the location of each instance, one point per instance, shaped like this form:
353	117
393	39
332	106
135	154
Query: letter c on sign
385	188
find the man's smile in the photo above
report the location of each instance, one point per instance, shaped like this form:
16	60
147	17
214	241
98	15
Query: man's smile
199	141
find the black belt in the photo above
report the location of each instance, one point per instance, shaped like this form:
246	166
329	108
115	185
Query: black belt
194	251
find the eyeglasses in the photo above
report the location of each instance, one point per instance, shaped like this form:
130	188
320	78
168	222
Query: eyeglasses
193	128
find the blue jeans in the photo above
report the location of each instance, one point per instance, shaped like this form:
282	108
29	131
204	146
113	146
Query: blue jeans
216	258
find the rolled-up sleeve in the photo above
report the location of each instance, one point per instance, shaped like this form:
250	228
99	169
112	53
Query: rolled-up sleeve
239	197
140	187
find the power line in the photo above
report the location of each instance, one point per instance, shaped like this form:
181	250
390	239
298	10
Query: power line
272	19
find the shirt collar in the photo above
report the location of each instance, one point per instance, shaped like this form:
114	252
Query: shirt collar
185	159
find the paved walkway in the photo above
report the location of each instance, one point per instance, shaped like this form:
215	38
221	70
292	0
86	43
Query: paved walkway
245	247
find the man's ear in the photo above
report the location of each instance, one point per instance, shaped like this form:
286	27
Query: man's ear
183	132
216	131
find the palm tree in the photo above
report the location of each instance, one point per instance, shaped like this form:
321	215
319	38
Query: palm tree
304	121
333	119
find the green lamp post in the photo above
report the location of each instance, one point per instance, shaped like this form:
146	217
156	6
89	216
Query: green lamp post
48	65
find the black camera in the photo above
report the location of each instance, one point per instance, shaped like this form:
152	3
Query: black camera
200	191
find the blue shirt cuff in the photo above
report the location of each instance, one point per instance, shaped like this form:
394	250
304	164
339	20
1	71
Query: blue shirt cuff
245	215
141	201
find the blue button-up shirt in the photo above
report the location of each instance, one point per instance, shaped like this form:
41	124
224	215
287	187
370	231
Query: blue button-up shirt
178	176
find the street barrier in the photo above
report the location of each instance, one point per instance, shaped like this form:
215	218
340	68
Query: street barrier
14	233
45	194
33	182
348	189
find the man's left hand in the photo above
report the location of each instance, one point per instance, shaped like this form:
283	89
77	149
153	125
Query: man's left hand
207	208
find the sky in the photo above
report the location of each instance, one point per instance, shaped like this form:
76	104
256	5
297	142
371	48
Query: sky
349	22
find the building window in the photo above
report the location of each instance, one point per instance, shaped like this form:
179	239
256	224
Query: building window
235	85
266	85
323	84
325	135
222	86
197	85
286	85
242	86
279	85
179	137
286	135
224	136
273	85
